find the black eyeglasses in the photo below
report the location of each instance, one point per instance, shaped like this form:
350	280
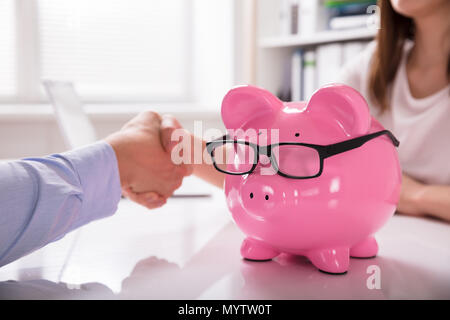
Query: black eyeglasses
289	159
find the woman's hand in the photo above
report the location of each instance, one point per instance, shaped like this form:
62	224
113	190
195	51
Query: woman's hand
410	195
419	199
200	168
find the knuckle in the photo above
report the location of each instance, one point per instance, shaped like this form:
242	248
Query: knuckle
151	114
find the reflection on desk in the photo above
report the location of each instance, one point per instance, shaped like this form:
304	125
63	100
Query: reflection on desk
189	249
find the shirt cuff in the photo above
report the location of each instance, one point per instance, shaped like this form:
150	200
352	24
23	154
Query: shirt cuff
98	171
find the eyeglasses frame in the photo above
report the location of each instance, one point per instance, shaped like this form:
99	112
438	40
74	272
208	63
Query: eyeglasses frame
324	151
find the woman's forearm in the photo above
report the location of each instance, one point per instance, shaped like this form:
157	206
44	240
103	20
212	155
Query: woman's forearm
419	199
207	171
435	200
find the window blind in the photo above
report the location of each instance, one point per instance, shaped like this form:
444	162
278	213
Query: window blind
115	49
7	49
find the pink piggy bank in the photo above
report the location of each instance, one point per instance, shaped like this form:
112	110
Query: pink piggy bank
316	179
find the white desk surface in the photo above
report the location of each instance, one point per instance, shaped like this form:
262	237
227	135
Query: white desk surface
189	249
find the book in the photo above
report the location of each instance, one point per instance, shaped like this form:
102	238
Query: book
297	76
294	13
310	17
348	7
284	91
284	17
328	63
349	22
309	74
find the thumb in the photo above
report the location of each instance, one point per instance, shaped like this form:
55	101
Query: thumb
168	125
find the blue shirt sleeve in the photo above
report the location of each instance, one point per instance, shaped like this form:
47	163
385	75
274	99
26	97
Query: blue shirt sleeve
42	199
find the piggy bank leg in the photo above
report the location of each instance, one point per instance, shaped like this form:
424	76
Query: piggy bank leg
368	248
255	250
331	260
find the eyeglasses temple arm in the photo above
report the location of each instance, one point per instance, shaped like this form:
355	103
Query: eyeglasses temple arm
393	139
210	144
343	146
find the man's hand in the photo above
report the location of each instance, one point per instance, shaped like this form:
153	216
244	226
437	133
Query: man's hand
147	174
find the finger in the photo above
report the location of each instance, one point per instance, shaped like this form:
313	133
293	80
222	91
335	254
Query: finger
169	121
156	204
150	200
144	119
177	184
184	170
168	125
189	169
166	138
150	116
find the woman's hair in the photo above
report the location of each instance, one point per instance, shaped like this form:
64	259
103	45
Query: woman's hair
394	30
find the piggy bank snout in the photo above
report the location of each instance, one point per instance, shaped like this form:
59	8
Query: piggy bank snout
260	197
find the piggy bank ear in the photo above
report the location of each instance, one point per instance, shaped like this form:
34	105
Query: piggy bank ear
344	105
245	103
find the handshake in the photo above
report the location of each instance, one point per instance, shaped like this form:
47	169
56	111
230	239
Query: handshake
143	151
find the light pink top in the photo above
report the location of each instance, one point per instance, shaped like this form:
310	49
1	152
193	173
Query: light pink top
421	125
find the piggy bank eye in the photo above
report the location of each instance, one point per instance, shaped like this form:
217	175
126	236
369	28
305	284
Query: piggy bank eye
297	134
251	195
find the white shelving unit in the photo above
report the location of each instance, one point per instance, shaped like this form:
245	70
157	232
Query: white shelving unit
274	52
317	38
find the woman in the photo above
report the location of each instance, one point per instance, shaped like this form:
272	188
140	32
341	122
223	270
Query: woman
404	75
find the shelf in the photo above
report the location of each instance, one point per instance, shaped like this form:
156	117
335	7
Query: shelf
317	38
